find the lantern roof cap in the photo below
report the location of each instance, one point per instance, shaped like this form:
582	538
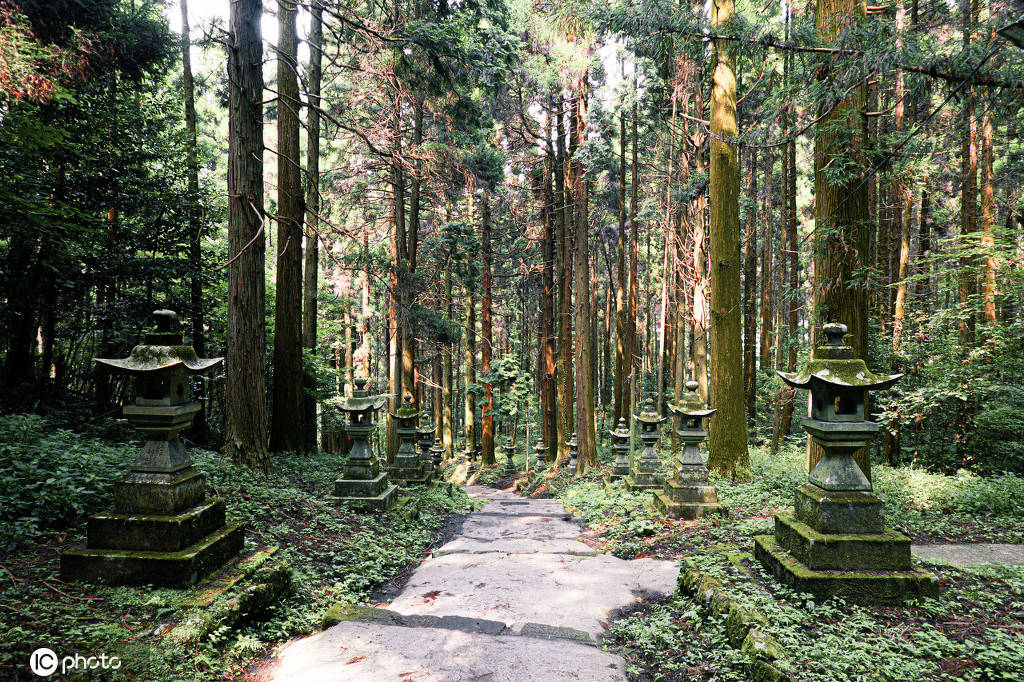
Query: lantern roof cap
621	430
163	348
691	405
407	410
649	415
835	365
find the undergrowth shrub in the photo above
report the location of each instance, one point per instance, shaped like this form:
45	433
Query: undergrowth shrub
50	477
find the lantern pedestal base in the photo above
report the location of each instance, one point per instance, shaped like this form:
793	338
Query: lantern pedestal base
829	511
642	482
620	469
377	493
688	502
863	587
147	567
886	551
155	532
143	492
406	476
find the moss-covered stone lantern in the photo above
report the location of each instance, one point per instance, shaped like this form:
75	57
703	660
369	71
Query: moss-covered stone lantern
362	483
687	494
836	541
408	469
436	452
162	530
574	451
647	473
541	452
510	451
424	438
620	444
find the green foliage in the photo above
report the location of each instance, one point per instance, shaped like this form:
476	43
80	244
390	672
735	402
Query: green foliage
336	554
51	477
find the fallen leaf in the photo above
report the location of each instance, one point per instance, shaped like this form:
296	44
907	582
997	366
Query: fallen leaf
354	660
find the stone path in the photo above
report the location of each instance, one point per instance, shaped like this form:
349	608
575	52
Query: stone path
972	553
517	596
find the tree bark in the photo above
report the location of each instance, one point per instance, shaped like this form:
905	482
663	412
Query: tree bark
311	265
286	432
547	300
245	411
750	289
487	411
727	439
564	220
967	277
585	433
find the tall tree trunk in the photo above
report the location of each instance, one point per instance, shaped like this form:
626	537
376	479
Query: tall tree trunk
988	282
634	254
311	265
469	373
699	348
547	299
585	432
286	432
750	288
447	359
245	408
410	376
621	293
968	280
727	440
486	340
192	169
564	221
841	208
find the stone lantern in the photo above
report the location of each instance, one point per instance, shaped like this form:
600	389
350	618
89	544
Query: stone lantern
620	444
541	452
510	451
436	451
836	541
424	435
647	473
408	469
574	452
687	495
362	483
162	530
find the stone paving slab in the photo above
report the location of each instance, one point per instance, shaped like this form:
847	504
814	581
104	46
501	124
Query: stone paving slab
375	651
554	589
498	526
516	596
971	553
471	545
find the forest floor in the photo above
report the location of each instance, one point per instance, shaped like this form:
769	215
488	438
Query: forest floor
516	596
52	479
974	630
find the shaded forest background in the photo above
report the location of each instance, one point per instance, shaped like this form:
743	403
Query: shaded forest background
503	208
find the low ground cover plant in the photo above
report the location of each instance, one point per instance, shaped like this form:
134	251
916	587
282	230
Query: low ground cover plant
334	555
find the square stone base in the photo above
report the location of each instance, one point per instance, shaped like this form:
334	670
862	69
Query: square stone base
381	502
158	533
688	511
372	487
829	511
863	587
157	493
886	551
644	484
165	569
